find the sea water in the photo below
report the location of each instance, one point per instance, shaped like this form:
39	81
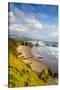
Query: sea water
49	55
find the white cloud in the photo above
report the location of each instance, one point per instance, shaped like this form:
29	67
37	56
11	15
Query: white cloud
12	18
20	29
22	22
13	26
16	27
54	34
35	31
35	24
18	19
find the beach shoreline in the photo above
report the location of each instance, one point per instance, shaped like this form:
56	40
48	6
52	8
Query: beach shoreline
48	58
35	63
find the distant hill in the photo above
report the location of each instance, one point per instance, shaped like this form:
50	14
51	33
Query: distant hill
20	37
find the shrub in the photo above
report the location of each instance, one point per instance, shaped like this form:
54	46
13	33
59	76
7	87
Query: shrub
44	75
50	72
26	84
28	65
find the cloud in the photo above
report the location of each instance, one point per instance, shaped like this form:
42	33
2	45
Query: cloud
23	22
53	34
16	27
35	24
53	26
12	18
35	31
26	22
13	25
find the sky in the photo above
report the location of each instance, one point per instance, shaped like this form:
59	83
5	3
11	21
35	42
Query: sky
35	21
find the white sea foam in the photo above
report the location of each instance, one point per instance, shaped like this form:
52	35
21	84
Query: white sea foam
48	50
41	43
49	54
53	51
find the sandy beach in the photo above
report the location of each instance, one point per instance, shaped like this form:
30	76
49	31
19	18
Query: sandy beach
35	63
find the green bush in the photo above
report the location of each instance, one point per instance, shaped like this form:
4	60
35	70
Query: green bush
28	65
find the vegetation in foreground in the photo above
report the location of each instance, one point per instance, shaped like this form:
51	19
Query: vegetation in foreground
20	73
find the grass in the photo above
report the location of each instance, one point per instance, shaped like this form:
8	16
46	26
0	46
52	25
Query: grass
21	74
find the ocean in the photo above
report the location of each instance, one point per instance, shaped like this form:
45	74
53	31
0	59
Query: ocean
49	53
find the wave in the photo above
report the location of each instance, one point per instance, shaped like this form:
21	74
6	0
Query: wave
49	48
52	51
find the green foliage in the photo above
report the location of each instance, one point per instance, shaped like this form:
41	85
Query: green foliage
21	74
44	75
13	41
28	65
50	72
26	43
12	47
